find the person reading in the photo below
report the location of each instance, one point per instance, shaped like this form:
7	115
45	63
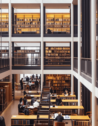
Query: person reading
58	100
36	104
26	110
59	118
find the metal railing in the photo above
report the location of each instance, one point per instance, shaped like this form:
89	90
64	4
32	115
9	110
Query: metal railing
4	64
20	61
75	62
86	66
60	61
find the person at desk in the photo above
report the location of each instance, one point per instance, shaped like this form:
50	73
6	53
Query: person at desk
66	92
64	89
27	78
25	101
26	110
36	84
24	92
36	104
52	91
21	82
20	108
58	100
21	101
32	100
59	118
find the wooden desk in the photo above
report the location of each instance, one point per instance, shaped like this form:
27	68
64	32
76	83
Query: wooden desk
34	117
65	109
62	96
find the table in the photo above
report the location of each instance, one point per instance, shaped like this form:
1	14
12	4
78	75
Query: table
62	96
67	109
78	117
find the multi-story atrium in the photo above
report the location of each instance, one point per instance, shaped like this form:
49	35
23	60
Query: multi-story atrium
48	63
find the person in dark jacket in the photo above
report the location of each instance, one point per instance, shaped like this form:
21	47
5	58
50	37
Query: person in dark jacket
25	101
32	100
2	121
24	92
21	83
58	100
27	78
26	110
52	90
64	89
20	108
36	84
59	118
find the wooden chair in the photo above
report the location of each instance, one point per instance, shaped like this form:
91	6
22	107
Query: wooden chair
59	123
27	87
89	113
31	112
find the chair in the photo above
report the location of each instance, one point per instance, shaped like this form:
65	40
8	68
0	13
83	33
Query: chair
89	113
31	112
59	123
27	87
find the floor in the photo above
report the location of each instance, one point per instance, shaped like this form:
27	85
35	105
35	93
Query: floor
11	110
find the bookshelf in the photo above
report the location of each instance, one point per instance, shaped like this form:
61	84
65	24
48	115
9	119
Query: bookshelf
57	23
58	82
3	102
26	23
4	23
57	56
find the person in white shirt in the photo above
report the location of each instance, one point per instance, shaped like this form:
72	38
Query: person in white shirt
36	104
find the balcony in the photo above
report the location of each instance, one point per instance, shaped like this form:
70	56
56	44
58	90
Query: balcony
4	64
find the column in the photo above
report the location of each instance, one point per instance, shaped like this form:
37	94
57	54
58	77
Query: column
10	38
42	58
72	47
79	50
93	51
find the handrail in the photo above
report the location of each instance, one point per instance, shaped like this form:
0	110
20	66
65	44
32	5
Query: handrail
57	57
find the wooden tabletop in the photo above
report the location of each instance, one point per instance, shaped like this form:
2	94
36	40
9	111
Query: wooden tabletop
63	100
53	96
78	117
64	107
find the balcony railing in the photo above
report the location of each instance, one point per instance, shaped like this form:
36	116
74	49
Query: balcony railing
75	63
22	61
4	64
86	65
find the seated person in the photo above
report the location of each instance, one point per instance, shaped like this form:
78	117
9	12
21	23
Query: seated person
32	100
52	90
66	92
64	89
24	92
26	110
59	118
36	104
25	101
20	108
36	83
58	100
21	101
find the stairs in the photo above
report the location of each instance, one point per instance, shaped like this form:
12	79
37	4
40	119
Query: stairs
44	108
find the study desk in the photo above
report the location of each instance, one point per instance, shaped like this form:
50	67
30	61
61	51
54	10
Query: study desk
70	101
67	109
62	96
78	117
33	92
